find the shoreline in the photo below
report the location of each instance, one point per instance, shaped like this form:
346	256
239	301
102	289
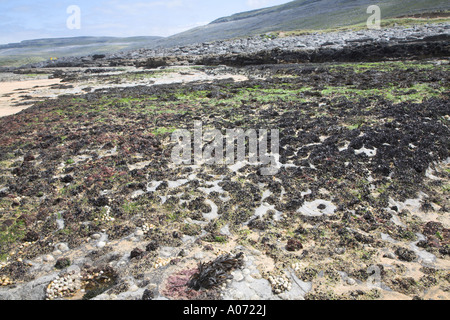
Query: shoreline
16	92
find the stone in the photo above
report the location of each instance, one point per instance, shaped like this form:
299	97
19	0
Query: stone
133	288
183	253
101	244
136	252
49	258
148	295
62	263
294	245
67	179
31	236
256	275
152	246
96	236
237	275
389	255
406	254
62	247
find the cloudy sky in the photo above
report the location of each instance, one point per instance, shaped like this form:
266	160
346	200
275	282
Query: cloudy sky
33	19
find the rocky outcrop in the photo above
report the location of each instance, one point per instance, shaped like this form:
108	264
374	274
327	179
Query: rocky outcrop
343	46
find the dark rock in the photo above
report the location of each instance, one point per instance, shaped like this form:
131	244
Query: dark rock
258	223
363	239
440	37
148	295
445	250
153	63
136	253
294	245
101	201
176	235
152	246
31	236
406	254
29	157
67	179
62	263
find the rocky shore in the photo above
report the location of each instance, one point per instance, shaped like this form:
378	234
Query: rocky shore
320	44
92	206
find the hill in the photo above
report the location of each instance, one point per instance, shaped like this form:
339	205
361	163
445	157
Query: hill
28	51
300	15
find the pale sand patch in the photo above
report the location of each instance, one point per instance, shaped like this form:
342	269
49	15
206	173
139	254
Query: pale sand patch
10	93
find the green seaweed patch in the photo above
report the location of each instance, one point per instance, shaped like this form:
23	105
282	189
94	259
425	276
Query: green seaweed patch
163	131
415	94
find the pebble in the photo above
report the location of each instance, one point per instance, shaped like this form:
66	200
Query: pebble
256	276
101	244
63	285
280	283
152	286
161	262
49	258
390	255
62	247
256	252
238	276
134	288
183	253
5	281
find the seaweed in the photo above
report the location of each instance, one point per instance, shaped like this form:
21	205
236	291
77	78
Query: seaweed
214	273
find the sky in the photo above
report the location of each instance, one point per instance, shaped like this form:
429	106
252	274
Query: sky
35	19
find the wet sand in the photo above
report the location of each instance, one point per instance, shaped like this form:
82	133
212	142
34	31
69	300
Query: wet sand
14	92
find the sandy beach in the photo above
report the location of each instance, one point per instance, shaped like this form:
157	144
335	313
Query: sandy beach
16	96
15	92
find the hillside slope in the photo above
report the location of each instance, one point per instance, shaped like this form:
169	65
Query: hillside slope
300	14
42	49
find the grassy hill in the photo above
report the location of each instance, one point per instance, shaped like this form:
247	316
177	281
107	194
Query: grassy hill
301	15
28	51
